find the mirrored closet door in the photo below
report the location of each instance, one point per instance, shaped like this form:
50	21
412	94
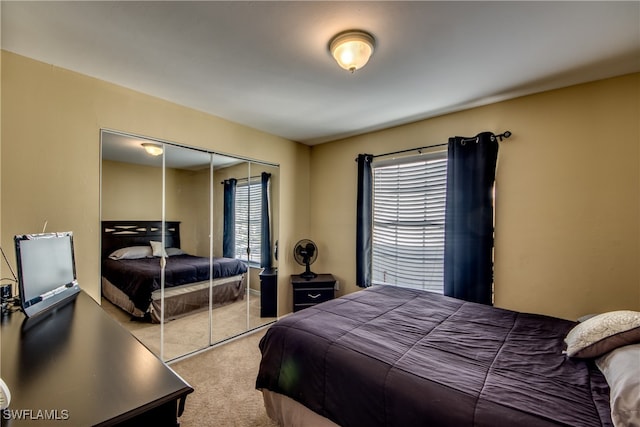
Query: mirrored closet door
245	228
186	236
185	284
229	242
264	195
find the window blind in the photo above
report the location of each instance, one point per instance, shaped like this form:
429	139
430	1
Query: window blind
408	223
248	214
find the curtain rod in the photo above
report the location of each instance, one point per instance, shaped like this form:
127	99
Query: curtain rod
246	179
500	137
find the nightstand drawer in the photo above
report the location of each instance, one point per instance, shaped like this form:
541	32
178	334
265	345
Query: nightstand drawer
312	295
311	291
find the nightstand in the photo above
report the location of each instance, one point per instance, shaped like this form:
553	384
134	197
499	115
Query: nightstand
309	292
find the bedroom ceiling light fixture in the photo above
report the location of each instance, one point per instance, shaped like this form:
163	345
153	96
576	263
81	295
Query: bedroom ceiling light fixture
352	49
153	149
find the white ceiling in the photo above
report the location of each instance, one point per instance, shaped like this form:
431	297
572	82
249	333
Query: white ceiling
266	64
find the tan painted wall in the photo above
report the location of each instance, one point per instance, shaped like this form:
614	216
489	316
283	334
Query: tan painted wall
134	192
568	184
567	204
131	191
192	209
51	121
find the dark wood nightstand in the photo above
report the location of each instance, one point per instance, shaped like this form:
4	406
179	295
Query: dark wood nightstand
309	292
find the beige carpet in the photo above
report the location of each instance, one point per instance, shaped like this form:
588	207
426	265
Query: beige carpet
224	382
190	333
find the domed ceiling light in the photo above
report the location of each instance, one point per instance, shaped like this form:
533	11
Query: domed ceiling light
153	149
352	49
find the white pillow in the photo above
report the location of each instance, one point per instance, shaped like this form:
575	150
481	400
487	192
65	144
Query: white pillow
131	252
158	249
621	368
174	251
602	333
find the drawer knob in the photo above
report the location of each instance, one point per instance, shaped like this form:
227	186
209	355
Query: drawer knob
313	296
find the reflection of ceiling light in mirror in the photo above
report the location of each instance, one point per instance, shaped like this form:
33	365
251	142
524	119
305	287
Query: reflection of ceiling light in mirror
352	49
153	149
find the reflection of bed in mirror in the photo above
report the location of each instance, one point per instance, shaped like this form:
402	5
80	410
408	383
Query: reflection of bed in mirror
131	273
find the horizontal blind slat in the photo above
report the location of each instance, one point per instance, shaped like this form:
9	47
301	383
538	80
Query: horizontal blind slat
248	221
408	224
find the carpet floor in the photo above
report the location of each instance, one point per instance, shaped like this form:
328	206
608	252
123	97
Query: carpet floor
191	333
224	382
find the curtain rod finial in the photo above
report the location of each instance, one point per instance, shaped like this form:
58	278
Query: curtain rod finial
504	135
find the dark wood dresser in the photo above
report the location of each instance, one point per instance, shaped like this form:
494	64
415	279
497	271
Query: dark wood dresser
76	366
309	292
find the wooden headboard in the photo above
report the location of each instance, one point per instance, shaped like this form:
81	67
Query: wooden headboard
122	234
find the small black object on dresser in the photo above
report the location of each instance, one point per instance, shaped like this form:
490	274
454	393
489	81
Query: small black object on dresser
309	292
269	292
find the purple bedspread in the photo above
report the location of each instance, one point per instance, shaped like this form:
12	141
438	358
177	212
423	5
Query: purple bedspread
138	278
389	356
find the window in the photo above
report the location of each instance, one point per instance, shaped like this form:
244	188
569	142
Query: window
248	216
408	222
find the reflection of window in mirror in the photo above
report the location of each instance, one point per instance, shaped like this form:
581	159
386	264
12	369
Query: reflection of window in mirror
248	220
252	224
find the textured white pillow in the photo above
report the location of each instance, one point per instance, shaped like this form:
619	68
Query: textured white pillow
158	249
603	333
174	251
131	252
621	368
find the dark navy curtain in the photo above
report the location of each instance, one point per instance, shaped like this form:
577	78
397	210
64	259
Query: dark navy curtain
364	221
265	223
229	227
468	248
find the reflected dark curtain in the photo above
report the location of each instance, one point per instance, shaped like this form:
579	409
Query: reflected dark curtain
229	227
364	221
468	251
265	222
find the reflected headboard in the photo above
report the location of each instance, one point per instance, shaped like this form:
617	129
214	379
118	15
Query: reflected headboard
122	234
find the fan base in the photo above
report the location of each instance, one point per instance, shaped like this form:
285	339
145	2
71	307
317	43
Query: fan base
308	275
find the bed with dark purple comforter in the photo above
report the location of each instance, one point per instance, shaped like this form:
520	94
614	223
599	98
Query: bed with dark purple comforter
131	272
389	356
138	278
